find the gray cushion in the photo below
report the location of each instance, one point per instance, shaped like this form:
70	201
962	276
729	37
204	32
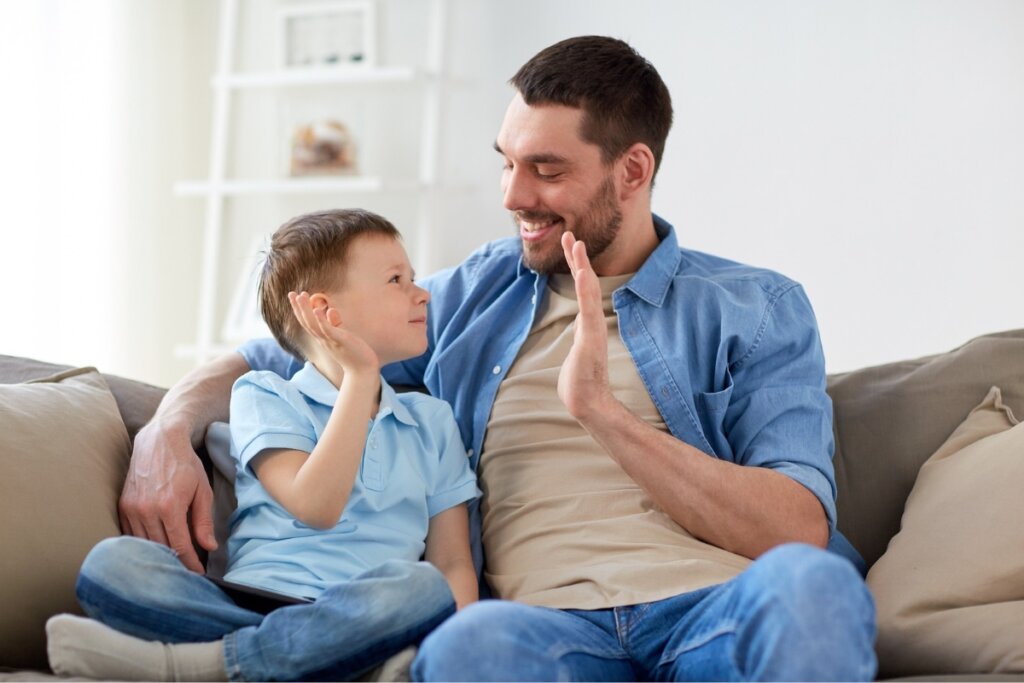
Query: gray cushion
890	418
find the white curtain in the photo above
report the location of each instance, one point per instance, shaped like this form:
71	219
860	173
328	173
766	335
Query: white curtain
58	143
104	105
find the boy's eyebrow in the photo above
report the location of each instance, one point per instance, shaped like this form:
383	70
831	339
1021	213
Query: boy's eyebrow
541	158
401	267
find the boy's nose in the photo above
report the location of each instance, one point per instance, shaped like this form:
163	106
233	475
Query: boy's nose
422	294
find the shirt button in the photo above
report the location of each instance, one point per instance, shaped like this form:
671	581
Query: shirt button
496	370
470	452
533	299
373	443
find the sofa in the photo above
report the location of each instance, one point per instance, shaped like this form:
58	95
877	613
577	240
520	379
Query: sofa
929	467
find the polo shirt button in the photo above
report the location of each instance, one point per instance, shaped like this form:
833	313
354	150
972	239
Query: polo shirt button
496	370
533	299
470	452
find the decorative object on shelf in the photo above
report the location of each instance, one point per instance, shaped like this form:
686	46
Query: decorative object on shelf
328	34
324	147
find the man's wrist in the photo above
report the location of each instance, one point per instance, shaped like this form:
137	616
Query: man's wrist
599	410
172	429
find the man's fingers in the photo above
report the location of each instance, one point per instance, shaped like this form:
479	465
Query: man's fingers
202	517
180	542
568	243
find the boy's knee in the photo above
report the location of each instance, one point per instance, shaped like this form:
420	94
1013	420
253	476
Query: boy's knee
113	556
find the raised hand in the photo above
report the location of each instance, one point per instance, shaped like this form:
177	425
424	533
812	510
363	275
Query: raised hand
323	323
583	380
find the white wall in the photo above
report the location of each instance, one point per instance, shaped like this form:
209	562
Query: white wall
101	115
871	149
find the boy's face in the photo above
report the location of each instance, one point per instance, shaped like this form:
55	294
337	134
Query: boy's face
378	300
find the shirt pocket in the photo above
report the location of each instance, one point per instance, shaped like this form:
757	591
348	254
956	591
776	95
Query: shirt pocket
711	409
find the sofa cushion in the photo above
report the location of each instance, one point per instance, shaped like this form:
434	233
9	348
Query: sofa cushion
950	587
137	401
890	418
64	452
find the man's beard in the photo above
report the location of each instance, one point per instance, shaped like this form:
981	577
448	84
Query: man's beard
597	228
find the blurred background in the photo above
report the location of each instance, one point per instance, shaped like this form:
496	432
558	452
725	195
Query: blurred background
871	149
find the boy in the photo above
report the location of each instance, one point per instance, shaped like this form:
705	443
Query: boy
342	485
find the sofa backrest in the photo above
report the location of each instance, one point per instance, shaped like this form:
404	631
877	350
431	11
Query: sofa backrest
890	418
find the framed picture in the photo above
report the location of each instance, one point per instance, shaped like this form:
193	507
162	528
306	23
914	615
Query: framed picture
243	320
333	33
322	147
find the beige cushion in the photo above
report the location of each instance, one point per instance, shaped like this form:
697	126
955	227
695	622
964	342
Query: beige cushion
950	586
64	453
890	418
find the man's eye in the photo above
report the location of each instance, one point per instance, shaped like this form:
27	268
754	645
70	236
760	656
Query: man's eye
395	278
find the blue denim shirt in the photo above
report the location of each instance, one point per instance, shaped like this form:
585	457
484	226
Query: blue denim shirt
730	354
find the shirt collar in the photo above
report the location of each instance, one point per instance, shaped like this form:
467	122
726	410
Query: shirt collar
312	384
652	281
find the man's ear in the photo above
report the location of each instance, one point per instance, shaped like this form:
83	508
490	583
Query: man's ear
637	169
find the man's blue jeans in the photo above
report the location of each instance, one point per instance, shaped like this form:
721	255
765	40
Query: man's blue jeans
797	613
140	588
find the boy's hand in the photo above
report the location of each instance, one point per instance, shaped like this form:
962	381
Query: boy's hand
324	324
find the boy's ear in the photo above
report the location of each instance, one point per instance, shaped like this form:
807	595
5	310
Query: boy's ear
319	300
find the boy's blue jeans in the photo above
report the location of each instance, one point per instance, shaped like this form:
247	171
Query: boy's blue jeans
139	587
797	613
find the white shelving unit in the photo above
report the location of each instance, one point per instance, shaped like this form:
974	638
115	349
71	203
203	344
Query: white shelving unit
217	188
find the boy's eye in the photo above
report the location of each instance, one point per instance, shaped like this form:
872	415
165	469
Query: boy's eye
395	278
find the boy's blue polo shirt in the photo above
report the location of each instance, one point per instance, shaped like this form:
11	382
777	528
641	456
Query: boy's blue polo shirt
414	466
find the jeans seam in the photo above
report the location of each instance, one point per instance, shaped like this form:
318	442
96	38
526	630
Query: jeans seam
668	657
231	665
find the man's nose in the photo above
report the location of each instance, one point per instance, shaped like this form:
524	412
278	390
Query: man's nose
518	190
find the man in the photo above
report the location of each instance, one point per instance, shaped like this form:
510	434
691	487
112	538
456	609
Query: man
649	424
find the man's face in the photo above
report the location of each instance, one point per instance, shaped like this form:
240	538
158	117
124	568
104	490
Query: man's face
555	182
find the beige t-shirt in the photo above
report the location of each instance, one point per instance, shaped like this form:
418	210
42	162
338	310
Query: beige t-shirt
563	525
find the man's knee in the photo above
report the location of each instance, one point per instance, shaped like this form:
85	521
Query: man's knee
815	609
489	625
805	578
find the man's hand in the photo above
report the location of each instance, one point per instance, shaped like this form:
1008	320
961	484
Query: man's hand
166	479
583	380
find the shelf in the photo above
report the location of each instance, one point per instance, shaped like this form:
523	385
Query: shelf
195	188
353	75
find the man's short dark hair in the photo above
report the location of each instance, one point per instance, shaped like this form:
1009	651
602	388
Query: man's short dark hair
624	100
307	253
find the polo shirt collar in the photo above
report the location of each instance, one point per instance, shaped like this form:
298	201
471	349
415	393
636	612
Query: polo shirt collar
312	384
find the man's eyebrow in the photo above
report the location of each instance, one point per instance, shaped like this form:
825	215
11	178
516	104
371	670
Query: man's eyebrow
540	158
